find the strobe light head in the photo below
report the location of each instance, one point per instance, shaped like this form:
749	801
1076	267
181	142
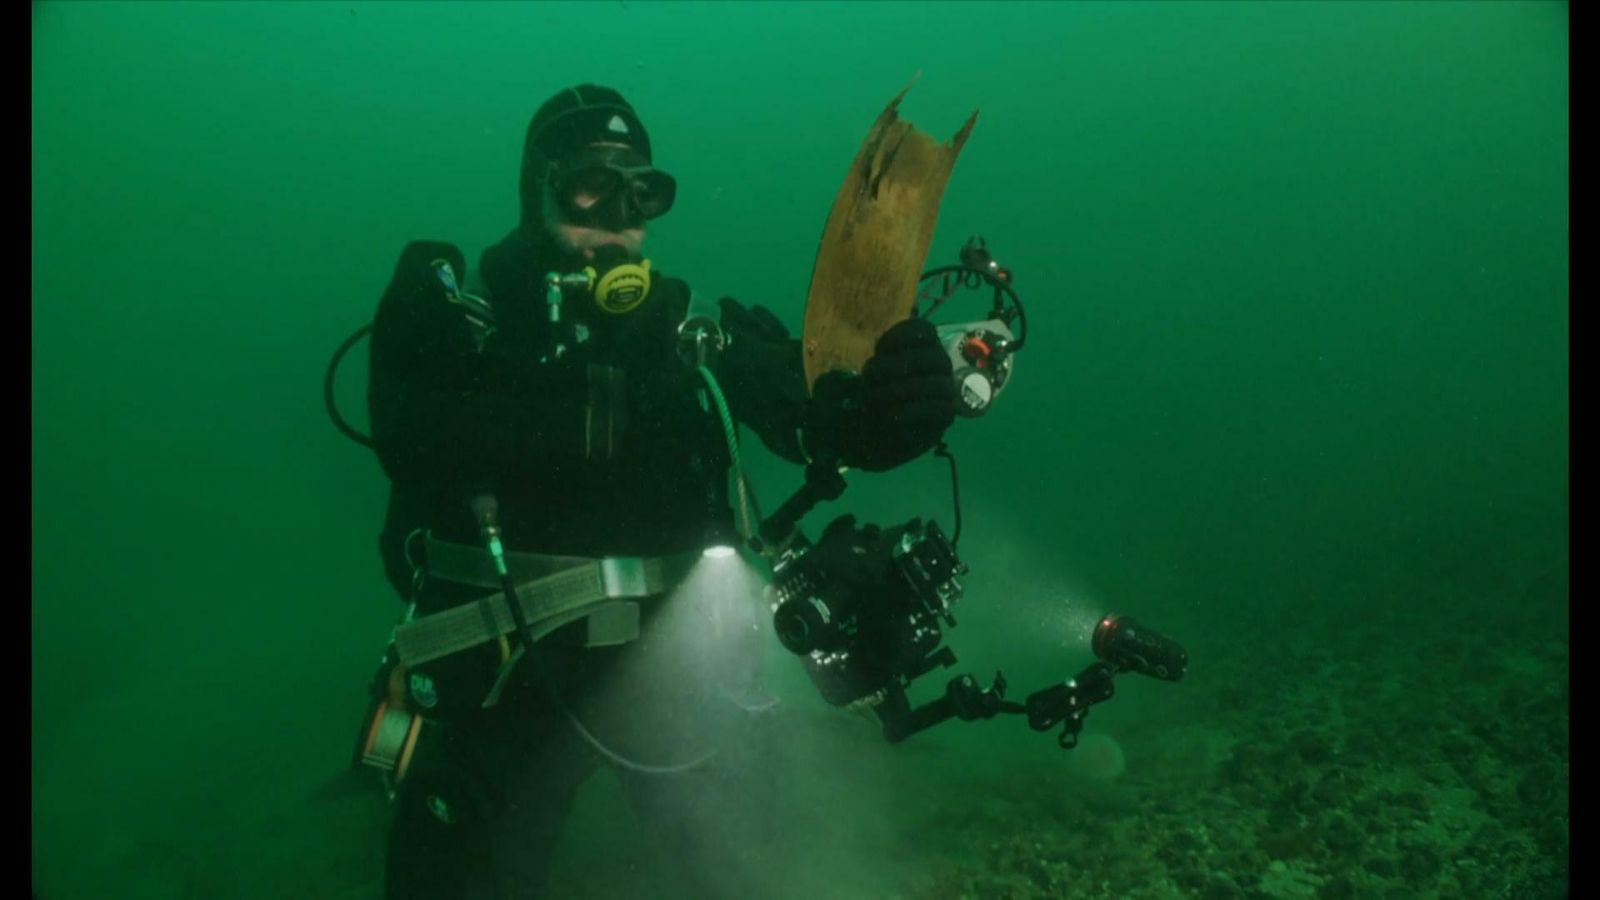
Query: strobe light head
1128	644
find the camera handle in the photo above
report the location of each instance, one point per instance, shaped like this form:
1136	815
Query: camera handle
824	481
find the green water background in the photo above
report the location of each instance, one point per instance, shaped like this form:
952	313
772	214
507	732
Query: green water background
1296	274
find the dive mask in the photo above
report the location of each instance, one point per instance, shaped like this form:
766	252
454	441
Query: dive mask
609	189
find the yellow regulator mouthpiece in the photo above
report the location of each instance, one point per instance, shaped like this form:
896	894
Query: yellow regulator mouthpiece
623	288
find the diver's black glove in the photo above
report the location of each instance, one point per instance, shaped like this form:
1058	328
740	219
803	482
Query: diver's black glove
897	409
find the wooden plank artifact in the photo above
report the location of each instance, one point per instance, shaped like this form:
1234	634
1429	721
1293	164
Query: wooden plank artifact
876	241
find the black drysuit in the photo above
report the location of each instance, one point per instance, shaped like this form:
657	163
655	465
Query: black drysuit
456	412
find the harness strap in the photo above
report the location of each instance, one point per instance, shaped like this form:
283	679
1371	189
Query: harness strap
472	565
548	601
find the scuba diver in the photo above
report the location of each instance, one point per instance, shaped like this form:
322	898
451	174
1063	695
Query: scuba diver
557	426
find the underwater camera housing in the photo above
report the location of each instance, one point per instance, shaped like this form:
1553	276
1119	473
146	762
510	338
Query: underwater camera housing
863	606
